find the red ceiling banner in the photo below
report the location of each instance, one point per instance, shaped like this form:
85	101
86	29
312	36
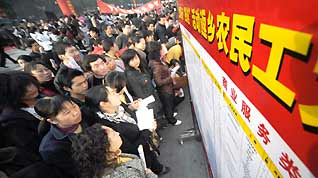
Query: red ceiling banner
109	9
66	7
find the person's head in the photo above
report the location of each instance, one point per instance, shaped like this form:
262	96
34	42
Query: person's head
131	58
93	32
148	36
73	81
117	81
66	51
108	29
96	64
178	39
98	43
139	41
23	60
110	47
96	148
150	24
126	28
35	47
59	111
110	62
154	50
39	71
162	19
18	89
102	98
170	21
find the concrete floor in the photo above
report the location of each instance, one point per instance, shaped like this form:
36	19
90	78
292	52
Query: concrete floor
187	160
14	53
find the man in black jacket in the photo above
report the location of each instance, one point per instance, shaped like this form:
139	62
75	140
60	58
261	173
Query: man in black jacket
161	30
70	59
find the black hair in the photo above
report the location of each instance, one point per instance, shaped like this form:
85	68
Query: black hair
173	62
148	22
89	150
106	25
97	41
60	46
32	41
49	107
65	78
135	38
89	59
161	16
147	33
153	49
4	90
128	55
26	58
94	29
32	29
122	26
107	45
94	96
116	80
33	64
179	37
14	86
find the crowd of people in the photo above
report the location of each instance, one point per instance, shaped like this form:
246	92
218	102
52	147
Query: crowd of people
72	110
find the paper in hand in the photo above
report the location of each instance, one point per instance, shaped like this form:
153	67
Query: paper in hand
175	69
144	102
145	118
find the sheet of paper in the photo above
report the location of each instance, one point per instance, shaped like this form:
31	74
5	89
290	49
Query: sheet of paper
175	69
142	155
144	103
145	118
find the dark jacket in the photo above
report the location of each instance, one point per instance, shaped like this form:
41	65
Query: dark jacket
55	150
56	81
106	37
93	81
143	61
49	59
138	83
19	129
161	33
121	41
161	75
48	89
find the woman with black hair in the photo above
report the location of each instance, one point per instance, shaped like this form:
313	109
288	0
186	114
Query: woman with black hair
164	80
139	83
118	82
98	155
18	120
103	104
23	60
44	75
65	119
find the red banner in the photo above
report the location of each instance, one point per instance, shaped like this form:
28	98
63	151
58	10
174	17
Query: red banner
66	7
269	50
109	9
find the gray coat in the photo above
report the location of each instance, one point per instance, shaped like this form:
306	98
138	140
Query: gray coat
134	168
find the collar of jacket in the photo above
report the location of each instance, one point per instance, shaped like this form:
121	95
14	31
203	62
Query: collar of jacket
58	134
